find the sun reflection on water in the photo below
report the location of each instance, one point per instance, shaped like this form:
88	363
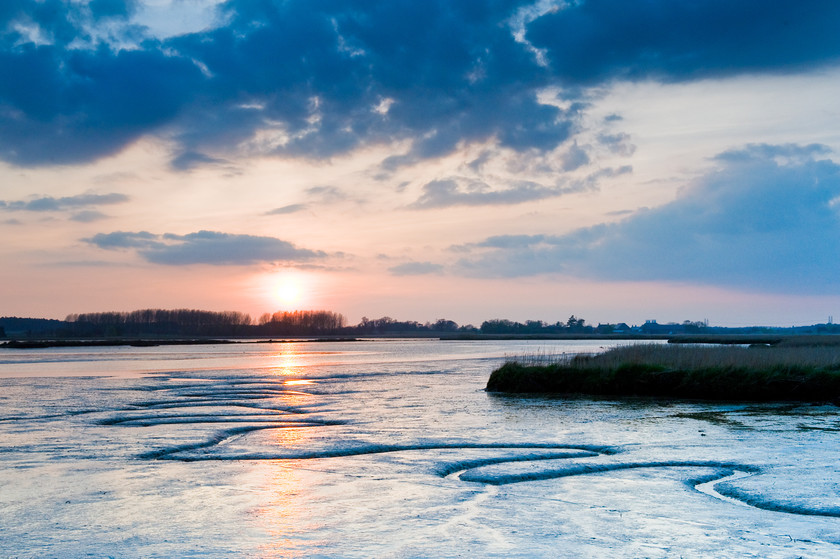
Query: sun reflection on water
283	516
287	485
285	512
287	361
298	382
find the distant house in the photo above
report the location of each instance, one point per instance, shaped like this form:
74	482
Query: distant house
620	328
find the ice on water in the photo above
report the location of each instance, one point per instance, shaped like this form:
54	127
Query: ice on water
391	449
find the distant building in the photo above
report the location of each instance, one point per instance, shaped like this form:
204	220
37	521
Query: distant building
654	328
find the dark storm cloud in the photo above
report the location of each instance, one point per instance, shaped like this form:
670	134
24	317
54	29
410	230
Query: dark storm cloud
64	106
204	247
594	40
341	75
767	218
317	78
50	204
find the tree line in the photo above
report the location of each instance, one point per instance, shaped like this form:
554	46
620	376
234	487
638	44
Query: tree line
573	325
191	322
300	323
179	322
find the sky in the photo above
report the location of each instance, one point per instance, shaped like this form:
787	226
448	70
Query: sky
619	161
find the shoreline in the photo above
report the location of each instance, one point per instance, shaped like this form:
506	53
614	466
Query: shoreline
790	340
153	342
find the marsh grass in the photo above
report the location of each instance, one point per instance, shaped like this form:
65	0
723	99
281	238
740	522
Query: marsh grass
692	357
540	357
703	372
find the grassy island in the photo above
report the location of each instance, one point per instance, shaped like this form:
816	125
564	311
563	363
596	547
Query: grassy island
779	373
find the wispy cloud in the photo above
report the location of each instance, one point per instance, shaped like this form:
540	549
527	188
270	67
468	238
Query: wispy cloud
765	218
327	194
124	239
50	204
205	247
453	192
415	269
290	209
88	216
460	191
190	159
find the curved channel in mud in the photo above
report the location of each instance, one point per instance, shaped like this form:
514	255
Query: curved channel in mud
248	406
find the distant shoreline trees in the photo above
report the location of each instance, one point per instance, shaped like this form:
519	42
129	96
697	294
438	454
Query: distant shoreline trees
188	322
573	325
306	323
150	323
160	322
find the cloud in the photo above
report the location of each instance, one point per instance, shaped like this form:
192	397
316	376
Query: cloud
50	204
76	105
290	209
124	239
190	159
454	192
415	269
296	79
597	40
205	247
617	143
327	194
511	241
88	216
459	191
765	218
112	8
790	152
574	158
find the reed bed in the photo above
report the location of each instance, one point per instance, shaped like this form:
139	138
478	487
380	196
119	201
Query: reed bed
695	357
718	372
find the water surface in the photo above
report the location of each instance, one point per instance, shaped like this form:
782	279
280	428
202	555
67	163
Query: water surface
390	449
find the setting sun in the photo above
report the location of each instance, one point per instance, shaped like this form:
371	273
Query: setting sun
287	292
